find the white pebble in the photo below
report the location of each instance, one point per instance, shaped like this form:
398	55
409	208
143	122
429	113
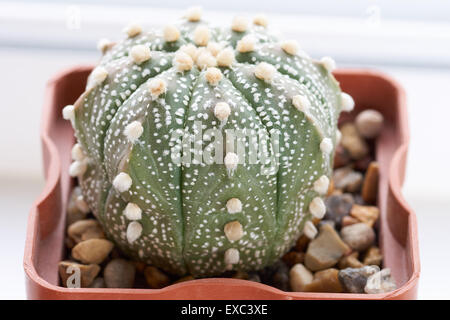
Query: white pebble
326	146
194	14
122	182
231	256
222	111
225	58
140	53
321	185
246	44
328	63
234	205
261	20
171	33
347	102
201	35
157	87
317	208
81	204
231	160
239	24
310	230
77	152
133	29
299	277
213	76
233	231
301	103
265	71
133	131
132	211
68	112
77	168
290	47
134	231
369	123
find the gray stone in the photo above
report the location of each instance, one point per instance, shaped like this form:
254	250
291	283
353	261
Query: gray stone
338	206
347	179
354	279
380	282
358	236
119	273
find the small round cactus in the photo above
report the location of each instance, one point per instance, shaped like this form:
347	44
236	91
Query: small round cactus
152	89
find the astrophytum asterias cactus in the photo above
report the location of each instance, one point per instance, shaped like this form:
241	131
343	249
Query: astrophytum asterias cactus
196	217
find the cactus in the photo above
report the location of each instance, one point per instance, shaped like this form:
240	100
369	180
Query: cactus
194	217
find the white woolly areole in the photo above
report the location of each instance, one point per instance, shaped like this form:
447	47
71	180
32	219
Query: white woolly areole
239	24
213	76
77	152
347	102
310	230
194	14
77	168
183	61
222	111
290	47
231	256
140	53
171	33
68	112
157	87
233	230
234	205
261	20
205	60
104	44
81	204
225	58
246	44
97	76
134	231
189	49
133	29
214	48
328	63
201	35
231	160
317	208
265	71
122	182
133	131
301	103
132	211
326	146
321	185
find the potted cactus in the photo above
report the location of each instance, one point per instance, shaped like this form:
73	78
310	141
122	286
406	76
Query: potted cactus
201	150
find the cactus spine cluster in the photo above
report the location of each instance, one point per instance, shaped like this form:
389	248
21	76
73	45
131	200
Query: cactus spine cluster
194	217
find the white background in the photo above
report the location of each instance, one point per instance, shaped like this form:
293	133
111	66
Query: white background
409	40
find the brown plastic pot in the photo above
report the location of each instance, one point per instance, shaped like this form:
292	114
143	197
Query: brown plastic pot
398	226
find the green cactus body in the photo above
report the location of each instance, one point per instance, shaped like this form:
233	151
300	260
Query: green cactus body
202	218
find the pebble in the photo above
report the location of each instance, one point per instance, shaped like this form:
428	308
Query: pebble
299	277
341	157
92	250
293	257
380	282
74	213
348	221
240	275
302	243
362	164
325	250
119	273
84	230
350	261
369	123
98	282
155	278
373	256
325	281
351	141
354	279
369	190
347	179
87	272
358	236
338	207
366	214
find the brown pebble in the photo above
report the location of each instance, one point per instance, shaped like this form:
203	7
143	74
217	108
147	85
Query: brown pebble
330	187
325	250
348	221
369	190
119	273
350	261
302	243
358	236
140	266
293	257
351	141
68	270
373	256
299	277
341	157
347	180
325	281
92	250
184	279
155	278
362	164
366	214
84	230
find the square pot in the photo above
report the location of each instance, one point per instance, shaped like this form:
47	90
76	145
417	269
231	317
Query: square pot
46	223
